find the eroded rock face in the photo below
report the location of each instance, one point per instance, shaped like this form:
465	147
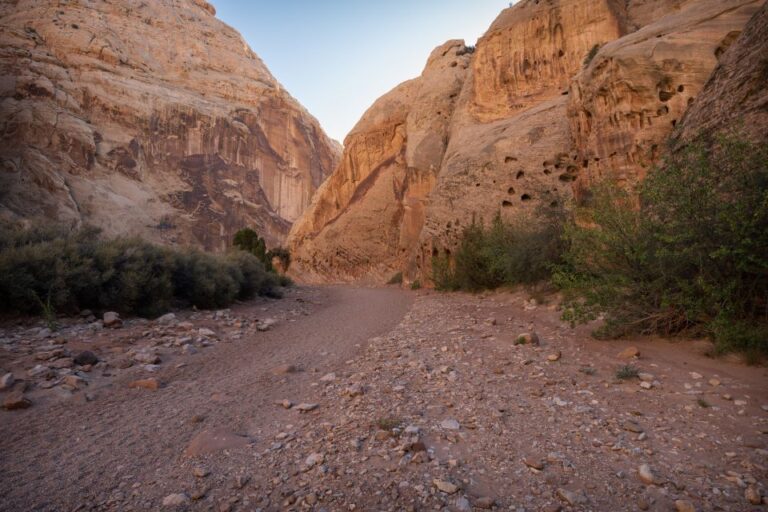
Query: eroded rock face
557	93
149	118
736	95
630	98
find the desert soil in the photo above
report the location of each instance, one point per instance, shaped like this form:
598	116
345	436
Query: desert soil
340	398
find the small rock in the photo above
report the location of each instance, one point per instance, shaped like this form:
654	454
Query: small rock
266	324
150	383
485	502
15	401
287	404
534	463
695	376
145	357
629	353
450	424
646	474
684	506
527	338
306	407
6	382
446	487
644	376
166	319
646	385
714	382
328	377
753	495
554	357
570	497
205	332
314	459
175	500
85	357
112	319
200	471
461	504
632	426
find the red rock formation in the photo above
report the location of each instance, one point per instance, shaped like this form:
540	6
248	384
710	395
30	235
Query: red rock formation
149	118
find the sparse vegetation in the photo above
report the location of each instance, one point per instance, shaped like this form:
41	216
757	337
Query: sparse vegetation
388	423
396	279
416	285
77	270
505	253
691	257
627	372
703	403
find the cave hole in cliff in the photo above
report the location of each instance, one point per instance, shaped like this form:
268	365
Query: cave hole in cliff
525	197
547	171
566	178
585	163
674	122
680	88
511	190
560	52
519	174
510	159
506	204
665	95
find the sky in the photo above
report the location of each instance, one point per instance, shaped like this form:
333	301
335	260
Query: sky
336	57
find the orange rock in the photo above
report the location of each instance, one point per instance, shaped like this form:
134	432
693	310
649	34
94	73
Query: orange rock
629	353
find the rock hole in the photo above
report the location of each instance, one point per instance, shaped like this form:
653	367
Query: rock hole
674	122
510	159
547	172
665	95
553	204
506	204
525	197
560	52
520	174
680	88
511	190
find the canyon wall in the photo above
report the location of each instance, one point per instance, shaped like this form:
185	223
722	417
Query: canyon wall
152	119
556	94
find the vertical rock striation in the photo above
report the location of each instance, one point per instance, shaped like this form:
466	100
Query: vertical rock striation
149	118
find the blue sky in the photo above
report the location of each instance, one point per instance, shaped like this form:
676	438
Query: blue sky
336	57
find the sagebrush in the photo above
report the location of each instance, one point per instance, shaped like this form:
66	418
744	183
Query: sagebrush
47	269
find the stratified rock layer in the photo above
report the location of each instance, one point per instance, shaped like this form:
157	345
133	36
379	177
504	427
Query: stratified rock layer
557	93
149	118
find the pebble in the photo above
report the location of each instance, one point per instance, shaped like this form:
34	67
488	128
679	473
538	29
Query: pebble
485	502
314	459
753	495
175	500
554	357
15	401
112	319
444	486
306	407
6	382
166	319
646	474
684	506
200	471
450	424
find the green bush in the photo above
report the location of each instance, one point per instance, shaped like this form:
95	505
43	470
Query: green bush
521	251
591	54
690	256
54	270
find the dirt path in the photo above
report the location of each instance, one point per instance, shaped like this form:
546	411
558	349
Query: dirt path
425	401
82	454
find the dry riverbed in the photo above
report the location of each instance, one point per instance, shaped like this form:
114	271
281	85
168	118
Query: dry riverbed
341	398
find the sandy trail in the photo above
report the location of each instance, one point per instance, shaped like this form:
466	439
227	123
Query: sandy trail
74	454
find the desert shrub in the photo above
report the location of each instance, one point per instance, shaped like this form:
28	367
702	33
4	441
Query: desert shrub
248	240
521	251
690	256
51	269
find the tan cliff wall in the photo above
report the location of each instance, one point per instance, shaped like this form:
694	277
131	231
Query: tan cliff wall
152	119
528	124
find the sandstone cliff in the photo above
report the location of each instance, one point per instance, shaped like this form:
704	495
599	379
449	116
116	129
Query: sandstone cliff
149	118
556	93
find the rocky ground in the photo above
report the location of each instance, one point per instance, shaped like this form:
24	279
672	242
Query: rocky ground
375	399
